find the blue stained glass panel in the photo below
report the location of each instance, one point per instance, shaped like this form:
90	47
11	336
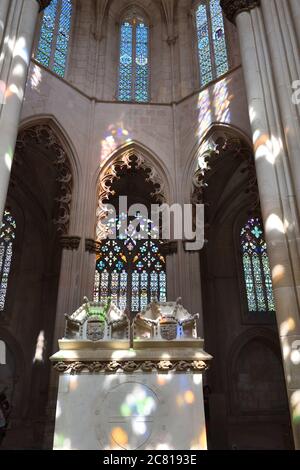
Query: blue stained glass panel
257	272
134	61
129	269
204	47
142	63
212	49
126	62
219	41
52	50
63	37
47	34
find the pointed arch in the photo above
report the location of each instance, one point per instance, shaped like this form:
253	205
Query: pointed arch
134	55
147	158
130	270
208	142
61	143
211	40
54	37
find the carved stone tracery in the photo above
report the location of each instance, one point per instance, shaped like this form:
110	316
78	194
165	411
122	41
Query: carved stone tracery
44	135
131	159
222	146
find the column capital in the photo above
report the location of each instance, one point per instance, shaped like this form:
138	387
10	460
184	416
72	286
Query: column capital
43	4
232	8
70	242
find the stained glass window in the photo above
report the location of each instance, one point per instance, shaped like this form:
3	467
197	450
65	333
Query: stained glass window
7	237
130	269
212	49
256	266
52	50
134	60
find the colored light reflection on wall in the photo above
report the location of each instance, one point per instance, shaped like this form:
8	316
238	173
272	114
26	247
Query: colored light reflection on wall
186	398
116	136
35	78
137	404
62	443
119	436
295	402
214	106
221	100
201	442
133	419
205	112
40	347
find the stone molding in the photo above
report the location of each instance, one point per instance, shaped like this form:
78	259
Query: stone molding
92	246
232	8
130	366
70	243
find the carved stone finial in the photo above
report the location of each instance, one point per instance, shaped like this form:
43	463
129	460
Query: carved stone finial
43	4
232	8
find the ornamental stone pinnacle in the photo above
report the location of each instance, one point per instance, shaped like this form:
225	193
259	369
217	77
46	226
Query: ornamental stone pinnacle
232	8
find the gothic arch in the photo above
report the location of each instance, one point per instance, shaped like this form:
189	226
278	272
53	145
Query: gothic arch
209	141
158	47
148	8
242	215
67	162
123	158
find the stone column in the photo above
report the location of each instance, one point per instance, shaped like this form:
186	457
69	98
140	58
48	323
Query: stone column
265	29
3	16
169	249
69	282
17	26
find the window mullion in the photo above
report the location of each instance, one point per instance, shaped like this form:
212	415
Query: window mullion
55	34
211	42
264	284
133	62
254	283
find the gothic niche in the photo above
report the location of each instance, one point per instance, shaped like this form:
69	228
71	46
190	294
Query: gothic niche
31	143
224	152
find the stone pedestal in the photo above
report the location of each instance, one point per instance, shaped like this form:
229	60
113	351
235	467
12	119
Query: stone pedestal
113	397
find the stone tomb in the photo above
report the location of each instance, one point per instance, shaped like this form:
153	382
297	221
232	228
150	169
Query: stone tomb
112	396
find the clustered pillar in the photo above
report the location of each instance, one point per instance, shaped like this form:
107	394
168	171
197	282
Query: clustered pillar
270	46
18	20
